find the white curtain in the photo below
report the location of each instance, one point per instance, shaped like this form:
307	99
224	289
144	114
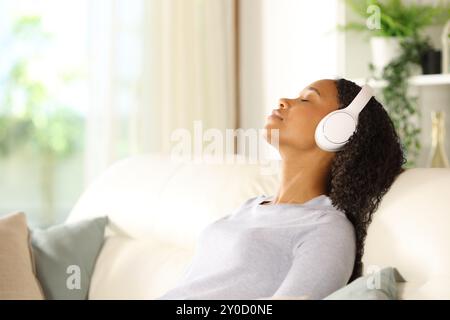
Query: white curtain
155	66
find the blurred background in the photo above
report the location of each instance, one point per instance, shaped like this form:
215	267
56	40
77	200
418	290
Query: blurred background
84	83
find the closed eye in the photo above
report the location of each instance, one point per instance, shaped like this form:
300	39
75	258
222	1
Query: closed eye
302	99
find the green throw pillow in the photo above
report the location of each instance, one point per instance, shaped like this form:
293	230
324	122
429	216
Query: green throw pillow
65	257
379	285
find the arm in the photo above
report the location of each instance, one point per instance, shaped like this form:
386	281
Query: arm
322	263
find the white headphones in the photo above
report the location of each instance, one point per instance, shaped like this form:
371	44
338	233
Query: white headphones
334	130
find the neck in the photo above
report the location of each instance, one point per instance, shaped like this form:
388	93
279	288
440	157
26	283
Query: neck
303	176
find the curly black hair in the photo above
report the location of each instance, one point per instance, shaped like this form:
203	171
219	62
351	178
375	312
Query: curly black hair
364	170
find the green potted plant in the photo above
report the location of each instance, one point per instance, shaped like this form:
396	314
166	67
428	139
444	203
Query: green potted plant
389	22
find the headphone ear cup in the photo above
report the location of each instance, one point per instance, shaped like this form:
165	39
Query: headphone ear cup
320	138
334	130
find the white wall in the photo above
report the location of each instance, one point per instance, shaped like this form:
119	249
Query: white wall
299	44
285	45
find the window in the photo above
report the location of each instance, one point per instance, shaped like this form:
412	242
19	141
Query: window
43	102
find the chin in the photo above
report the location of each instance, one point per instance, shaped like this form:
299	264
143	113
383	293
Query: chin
271	125
268	133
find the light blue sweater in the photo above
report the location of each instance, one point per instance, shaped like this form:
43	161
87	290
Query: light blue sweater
265	250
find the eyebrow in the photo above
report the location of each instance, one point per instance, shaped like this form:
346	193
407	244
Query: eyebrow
314	89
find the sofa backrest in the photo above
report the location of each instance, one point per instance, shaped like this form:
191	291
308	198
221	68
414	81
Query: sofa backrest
411	232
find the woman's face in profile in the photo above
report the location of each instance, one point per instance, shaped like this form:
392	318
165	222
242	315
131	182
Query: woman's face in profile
297	118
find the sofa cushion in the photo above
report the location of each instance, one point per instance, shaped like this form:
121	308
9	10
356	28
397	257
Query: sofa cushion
380	285
17	273
66	256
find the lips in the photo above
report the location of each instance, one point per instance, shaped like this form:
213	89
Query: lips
277	114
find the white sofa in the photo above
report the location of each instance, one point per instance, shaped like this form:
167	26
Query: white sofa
157	207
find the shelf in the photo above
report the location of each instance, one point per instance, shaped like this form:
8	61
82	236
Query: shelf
420	80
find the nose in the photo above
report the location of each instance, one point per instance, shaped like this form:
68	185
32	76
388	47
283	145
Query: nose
283	103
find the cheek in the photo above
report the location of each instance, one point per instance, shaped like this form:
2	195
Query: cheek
300	129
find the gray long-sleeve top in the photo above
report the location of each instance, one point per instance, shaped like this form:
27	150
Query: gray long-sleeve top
264	250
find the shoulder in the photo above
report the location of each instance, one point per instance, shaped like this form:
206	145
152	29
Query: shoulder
332	228
336	224
333	241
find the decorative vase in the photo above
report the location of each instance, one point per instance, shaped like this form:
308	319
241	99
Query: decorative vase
384	50
431	62
438	157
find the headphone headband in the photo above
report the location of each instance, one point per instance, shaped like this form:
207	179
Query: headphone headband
360	101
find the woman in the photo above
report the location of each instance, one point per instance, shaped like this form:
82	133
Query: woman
307	241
